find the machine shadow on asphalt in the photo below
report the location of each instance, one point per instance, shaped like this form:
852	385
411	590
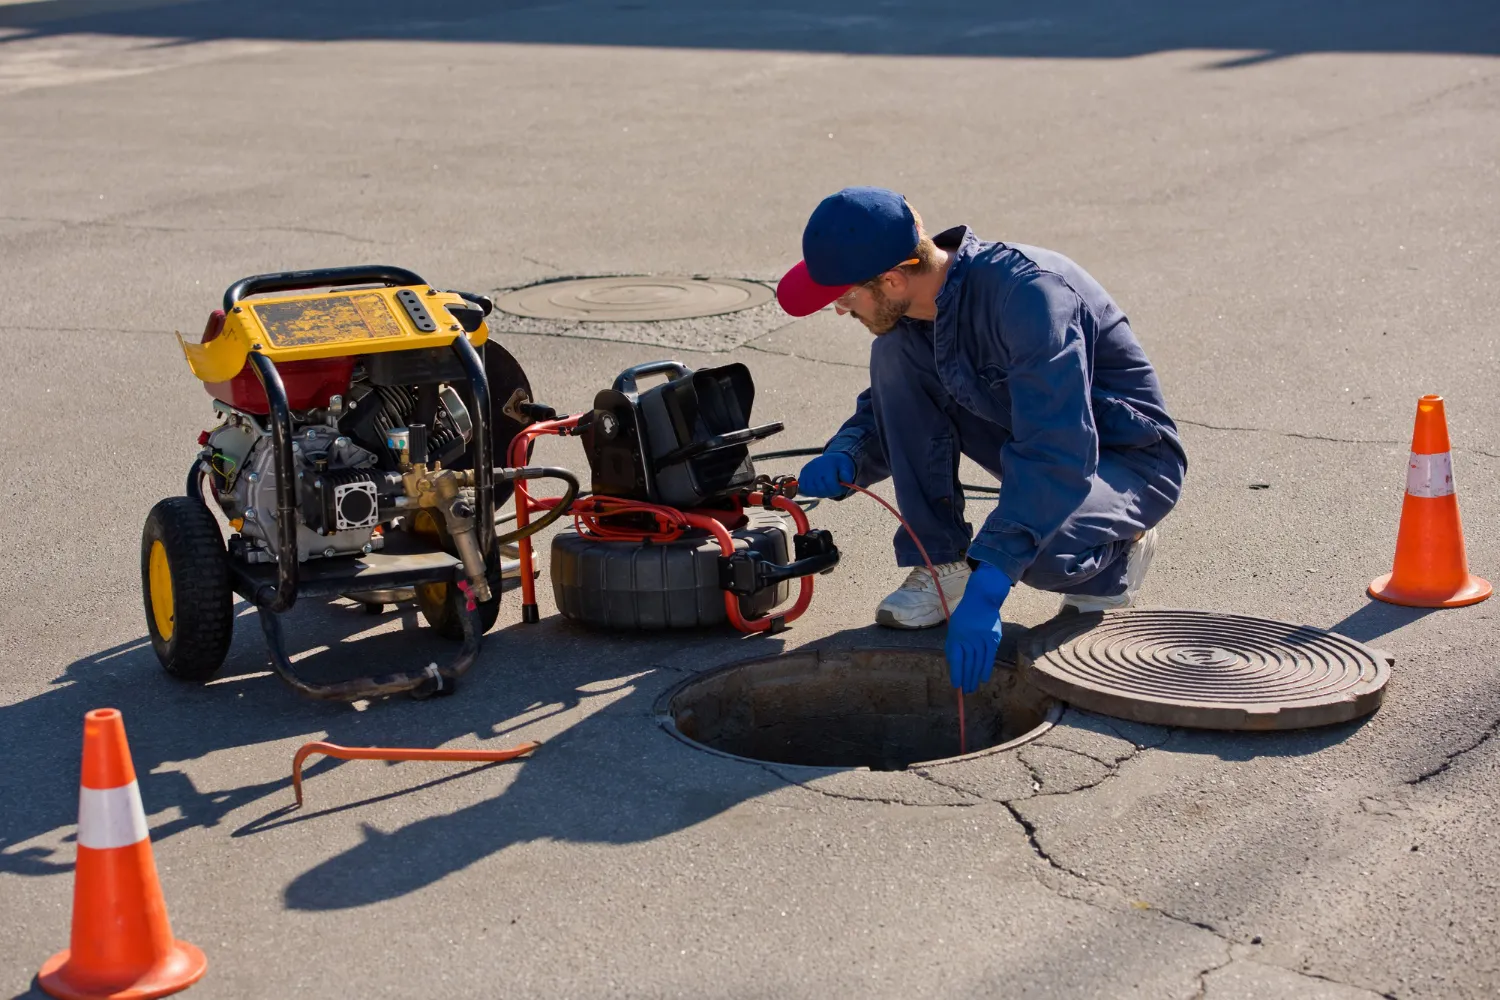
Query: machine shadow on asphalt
585	784
1071	29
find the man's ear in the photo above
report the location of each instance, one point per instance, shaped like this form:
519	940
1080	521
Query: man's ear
894	283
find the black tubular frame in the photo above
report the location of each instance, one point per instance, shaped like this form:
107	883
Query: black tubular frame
284	595
291	281
281	597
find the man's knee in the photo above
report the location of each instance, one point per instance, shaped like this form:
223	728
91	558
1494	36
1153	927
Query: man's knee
1061	571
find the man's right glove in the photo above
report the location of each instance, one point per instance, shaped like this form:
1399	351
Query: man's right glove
823	475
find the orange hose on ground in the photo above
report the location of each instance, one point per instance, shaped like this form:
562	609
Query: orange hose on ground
395	753
963	736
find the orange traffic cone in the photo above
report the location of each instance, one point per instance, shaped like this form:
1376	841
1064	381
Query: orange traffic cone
1431	568
122	946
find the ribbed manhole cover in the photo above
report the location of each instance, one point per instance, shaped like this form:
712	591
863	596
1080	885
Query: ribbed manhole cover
1204	670
883	709
633	299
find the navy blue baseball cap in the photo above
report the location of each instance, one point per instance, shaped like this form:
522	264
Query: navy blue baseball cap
852	236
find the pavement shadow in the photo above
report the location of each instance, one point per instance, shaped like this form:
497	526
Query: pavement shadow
1240	747
1378	618
523	672
613	777
1255	31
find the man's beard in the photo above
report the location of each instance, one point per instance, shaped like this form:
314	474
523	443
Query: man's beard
888	313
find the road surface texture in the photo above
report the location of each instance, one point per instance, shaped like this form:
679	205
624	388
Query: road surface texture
1298	206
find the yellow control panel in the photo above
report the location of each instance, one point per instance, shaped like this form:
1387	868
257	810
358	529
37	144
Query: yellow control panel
328	325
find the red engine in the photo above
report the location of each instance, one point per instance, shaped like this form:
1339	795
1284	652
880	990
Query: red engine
309	384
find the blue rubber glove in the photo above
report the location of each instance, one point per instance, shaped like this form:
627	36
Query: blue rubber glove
974	629
821	477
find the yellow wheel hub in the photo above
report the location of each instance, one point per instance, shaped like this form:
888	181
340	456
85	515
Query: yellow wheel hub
162	608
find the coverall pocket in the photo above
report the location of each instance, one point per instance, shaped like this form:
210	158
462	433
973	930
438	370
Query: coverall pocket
1121	425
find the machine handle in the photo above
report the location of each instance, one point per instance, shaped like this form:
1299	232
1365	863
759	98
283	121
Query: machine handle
721	441
484	302
746	573
673	370
287	281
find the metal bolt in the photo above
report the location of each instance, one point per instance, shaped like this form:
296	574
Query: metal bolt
254	477
341	442
317	484
432	291
368	548
328	552
238	309
249	513
453	326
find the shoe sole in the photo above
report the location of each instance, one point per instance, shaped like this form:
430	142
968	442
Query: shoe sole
890	621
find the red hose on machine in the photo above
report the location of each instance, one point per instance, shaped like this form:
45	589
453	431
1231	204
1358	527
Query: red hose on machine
590	514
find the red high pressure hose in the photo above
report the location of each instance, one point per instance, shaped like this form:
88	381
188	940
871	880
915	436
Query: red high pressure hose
963	738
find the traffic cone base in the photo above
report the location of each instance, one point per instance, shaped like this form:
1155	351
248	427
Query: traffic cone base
182	966
122	946
1473	591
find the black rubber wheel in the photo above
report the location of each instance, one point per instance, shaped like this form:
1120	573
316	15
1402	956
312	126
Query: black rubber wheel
185	585
662	585
437	602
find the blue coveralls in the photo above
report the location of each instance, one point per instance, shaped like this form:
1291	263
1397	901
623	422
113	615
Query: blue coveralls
1032	371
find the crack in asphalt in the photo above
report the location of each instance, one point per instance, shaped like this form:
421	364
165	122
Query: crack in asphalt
1202	992
770	769
84	329
1314	437
1323	979
1449	759
141	227
1112	892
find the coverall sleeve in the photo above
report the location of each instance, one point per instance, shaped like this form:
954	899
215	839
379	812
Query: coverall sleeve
1047	465
860	440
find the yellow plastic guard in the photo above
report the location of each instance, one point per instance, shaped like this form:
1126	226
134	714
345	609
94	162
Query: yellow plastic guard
326	325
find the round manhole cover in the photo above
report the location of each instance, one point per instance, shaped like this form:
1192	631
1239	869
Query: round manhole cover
638	299
1204	670
883	709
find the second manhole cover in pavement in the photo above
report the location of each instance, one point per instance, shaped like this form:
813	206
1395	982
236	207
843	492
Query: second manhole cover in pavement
633	299
1204	670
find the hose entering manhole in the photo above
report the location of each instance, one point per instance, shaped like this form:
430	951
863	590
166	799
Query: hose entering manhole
884	709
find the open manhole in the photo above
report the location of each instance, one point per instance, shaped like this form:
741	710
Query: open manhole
633	299
1204	670
882	709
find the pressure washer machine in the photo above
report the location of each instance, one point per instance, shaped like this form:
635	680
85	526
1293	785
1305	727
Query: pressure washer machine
351	458
678	530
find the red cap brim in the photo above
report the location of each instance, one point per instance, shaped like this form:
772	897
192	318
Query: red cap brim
799	295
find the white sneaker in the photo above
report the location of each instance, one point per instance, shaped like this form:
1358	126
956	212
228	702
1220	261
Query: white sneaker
1136	564
915	604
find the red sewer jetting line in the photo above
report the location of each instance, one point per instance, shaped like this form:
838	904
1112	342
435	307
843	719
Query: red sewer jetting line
963	739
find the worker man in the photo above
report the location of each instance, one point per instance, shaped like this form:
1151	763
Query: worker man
1017	358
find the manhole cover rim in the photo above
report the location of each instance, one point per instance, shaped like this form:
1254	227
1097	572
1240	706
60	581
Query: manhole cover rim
1359	696
662	710
520	301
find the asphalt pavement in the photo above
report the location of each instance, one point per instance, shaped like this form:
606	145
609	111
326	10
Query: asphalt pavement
1297	206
